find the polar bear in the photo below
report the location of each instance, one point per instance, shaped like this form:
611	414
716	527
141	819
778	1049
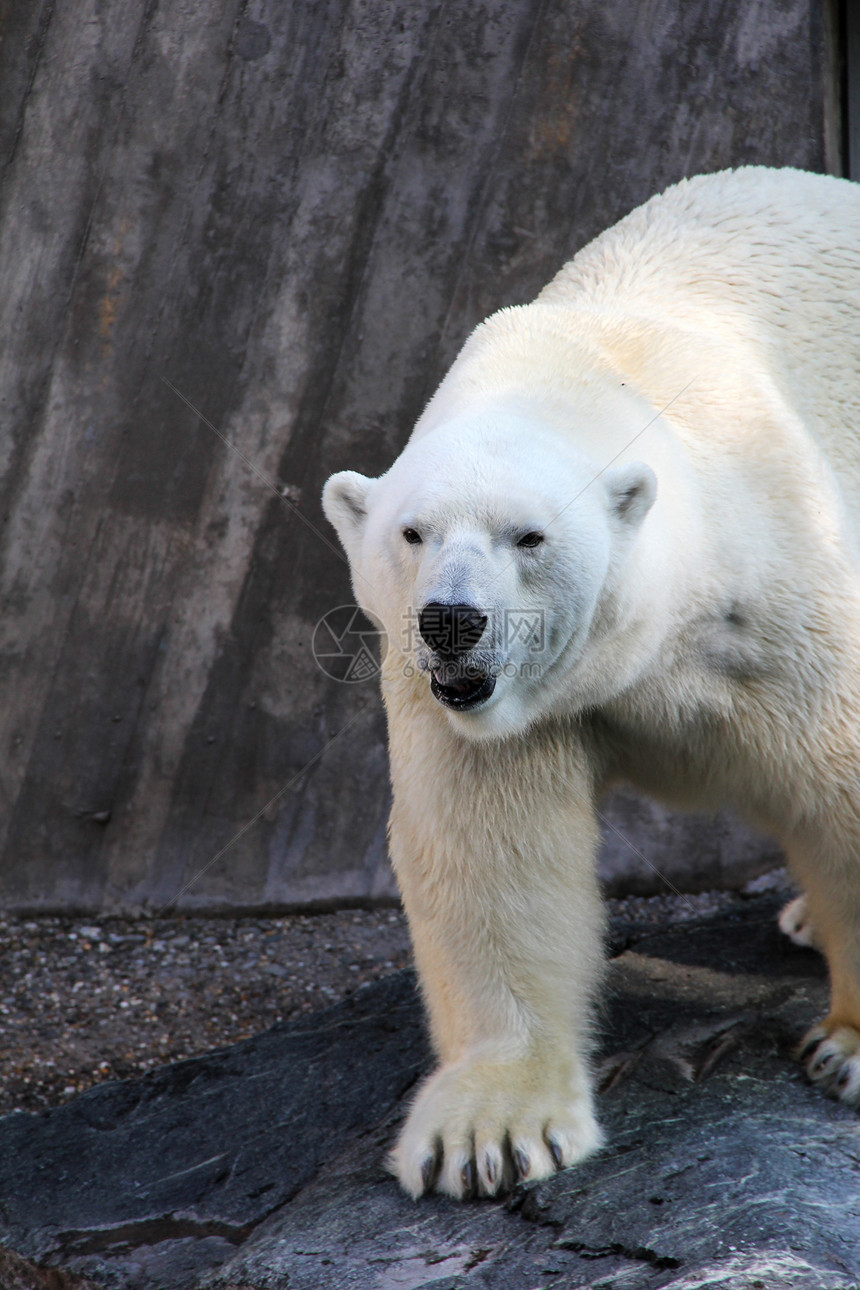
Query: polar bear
622	544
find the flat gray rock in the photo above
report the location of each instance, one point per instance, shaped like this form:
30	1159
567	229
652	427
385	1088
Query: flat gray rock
146	1182
261	1166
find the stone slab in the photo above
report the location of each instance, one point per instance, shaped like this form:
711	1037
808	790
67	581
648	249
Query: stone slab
260	1166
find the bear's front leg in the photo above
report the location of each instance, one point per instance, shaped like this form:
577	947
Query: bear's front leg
494	847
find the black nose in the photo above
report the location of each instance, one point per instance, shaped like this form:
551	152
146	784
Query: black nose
451	630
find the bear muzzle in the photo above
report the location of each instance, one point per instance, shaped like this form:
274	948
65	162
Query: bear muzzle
461	689
452	632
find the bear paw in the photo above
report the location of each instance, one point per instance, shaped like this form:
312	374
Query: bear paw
795	923
478	1128
831	1058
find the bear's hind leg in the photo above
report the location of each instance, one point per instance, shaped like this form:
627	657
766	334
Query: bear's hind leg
830	1052
796	923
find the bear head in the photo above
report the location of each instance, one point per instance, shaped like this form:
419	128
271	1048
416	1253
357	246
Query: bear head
491	555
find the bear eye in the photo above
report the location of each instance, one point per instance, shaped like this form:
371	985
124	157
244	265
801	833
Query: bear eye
530	539
412	537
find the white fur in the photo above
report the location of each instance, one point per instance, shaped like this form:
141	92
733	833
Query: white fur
678	413
794	923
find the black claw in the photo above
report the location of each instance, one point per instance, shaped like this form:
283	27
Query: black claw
492	1171
809	1047
467	1177
428	1168
844	1077
522	1163
555	1152
820	1066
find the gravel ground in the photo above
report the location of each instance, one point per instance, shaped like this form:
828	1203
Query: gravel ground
84	1000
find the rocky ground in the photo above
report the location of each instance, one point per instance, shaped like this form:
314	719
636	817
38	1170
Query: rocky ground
261	1166
83	1000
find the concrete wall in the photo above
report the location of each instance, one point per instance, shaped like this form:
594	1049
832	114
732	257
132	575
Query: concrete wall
240	241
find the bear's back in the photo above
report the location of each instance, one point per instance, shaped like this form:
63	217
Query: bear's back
766	262
757	242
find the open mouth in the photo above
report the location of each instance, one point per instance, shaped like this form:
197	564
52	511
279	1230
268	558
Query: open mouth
462	691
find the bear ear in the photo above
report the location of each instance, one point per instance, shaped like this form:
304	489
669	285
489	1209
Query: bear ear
344	502
632	490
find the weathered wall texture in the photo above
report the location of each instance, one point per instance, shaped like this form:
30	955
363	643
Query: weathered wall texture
288	217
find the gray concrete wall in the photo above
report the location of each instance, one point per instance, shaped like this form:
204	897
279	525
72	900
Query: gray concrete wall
273	225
